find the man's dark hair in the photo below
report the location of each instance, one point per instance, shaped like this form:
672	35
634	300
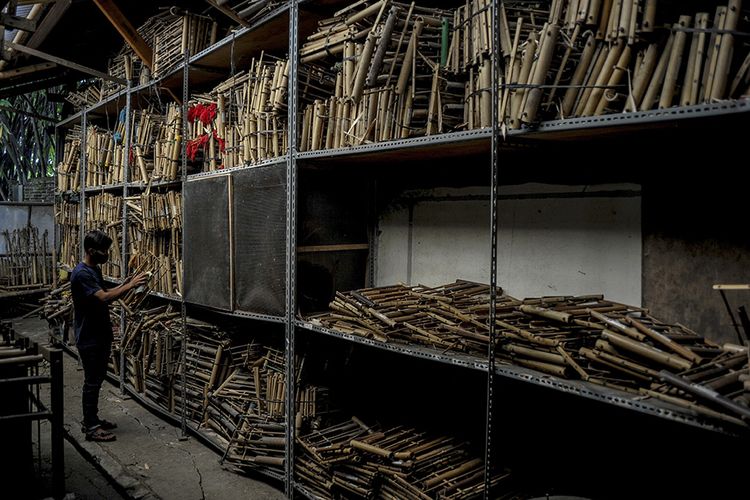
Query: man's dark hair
96	240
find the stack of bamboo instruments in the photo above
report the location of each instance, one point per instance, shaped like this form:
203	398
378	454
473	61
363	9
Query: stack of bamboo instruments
152	352
104	212
85	97
155	233
186	33
105	156
258	440
242	120
390	77
68	219
586	337
166	149
68	170
27	261
206	366
353	459
596	57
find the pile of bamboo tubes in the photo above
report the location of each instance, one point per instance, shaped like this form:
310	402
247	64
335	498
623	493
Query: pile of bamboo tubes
105	156
351	459
68	219
391	78
27	262
68	170
104	212
152	345
243	119
587	337
58	307
186	33
155	235
596	57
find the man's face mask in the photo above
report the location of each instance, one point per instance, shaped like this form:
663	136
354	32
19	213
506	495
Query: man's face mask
99	256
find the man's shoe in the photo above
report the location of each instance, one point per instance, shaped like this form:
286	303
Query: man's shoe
100	434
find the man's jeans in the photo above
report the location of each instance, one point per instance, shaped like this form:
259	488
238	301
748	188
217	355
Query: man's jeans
94	361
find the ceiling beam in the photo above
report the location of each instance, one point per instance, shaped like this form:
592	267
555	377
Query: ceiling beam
25	70
112	12
64	62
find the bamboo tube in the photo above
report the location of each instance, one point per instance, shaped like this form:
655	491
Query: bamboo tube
645	351
649	99
594	70
714	46
606	12
718	87
643	77
523	77
578	77
592	101
675	61
691	82
617	74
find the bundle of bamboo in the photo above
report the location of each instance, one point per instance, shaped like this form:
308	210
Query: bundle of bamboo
185	33
243	119
609	55
68	170
586	337
105	156
68	219
27	262
155	235
104	212
392	80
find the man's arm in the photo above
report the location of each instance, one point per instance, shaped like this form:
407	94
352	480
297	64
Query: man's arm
118	291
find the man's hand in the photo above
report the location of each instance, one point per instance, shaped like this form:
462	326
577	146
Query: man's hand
137	280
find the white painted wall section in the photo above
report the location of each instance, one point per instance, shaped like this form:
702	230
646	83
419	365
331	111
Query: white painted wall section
553	240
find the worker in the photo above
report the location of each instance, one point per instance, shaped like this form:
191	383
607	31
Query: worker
93	328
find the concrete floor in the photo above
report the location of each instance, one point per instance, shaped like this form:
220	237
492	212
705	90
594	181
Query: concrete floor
148	460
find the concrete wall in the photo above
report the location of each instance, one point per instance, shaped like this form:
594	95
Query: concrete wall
694	236
19	215
566	240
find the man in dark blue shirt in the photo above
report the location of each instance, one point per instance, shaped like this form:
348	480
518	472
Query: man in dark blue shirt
93	328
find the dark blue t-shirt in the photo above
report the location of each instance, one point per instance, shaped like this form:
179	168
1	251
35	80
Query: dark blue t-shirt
93	327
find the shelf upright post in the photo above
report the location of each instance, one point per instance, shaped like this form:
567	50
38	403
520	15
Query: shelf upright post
55	198
124	237
82	184
291	250
494	175
183	177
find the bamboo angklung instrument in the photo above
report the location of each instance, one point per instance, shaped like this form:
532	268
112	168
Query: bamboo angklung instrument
27	261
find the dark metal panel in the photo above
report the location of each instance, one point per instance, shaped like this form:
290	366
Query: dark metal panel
206	242
259	231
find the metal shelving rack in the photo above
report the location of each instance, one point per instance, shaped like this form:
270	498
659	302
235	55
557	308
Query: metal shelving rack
491	140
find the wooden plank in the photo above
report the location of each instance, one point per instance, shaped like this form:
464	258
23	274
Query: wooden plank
112	12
